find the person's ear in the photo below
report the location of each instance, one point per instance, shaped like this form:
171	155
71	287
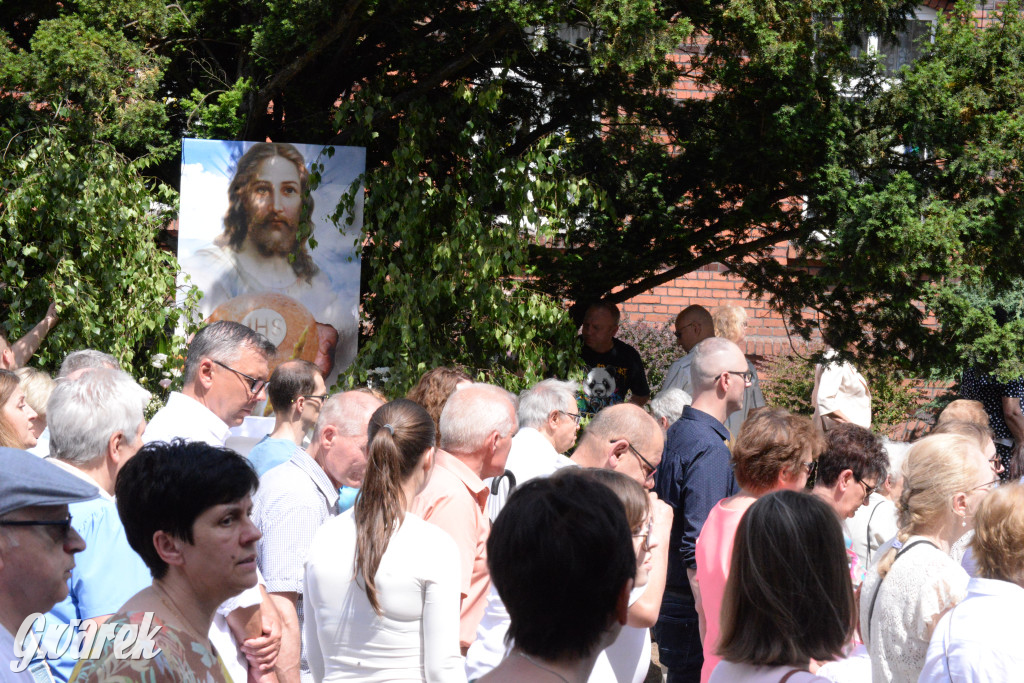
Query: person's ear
169	548
846	479
615	451
205	374
960	505
553	419
327	436
622	603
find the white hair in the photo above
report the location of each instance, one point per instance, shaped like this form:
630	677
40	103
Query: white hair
472	413
349	412
537	402
86	358
710	361
669	404
84	413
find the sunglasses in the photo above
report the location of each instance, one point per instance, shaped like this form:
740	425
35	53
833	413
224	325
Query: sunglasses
63	526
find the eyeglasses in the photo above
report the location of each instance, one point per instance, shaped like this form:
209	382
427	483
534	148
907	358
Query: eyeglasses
645	544
868	489
810	467
576	417
679	334
322	397
747	375
645	465
63	525
255	385
987	484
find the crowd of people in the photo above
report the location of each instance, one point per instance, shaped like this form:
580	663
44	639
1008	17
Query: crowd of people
464	533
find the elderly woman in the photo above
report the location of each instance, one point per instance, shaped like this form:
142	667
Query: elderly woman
37	386
915	581
875	523
185	508
774	450
979	640
731	323
788	600
16	416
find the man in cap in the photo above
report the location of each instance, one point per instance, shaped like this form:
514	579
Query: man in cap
37	546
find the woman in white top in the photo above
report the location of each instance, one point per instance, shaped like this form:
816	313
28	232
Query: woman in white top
916	581
788	599
382	585
979	640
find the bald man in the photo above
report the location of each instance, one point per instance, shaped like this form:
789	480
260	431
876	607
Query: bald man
623	438
694	475
693	325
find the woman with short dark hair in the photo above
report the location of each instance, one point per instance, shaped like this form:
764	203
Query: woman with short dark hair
185	508
788	599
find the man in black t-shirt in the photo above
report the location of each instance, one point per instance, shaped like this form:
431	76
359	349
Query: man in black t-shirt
614	368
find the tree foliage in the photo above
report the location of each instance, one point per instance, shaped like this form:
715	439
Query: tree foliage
527	154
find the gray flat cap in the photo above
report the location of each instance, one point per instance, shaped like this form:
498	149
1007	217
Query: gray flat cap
27	480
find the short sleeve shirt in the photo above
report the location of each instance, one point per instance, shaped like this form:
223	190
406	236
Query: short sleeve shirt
611	375
980	386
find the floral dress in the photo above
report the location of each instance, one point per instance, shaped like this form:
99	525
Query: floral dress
172	656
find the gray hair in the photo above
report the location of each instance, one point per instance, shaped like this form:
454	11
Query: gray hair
224	341
86	359
349	412
897	452
85	412
472	413
537	402
669	404
709	362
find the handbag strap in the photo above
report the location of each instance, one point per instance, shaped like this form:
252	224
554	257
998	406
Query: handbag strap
789	675
878	586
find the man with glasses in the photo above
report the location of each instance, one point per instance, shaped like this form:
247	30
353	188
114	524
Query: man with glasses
693	325
299	495
37	546
852	467
548	421
297	392
694	475
226	374
623	438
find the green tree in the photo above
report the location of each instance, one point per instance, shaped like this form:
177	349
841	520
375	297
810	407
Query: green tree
80	122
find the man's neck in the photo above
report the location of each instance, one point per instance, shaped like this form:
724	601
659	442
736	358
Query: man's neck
710	404
289	430
474	461
100	475
611	345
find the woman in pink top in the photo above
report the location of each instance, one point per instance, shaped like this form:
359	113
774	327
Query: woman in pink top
774	450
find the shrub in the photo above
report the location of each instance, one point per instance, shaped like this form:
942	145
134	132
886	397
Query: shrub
656	345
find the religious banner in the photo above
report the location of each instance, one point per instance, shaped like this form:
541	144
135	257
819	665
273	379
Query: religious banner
266	252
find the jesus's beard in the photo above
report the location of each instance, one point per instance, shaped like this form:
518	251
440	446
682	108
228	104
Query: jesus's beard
274	238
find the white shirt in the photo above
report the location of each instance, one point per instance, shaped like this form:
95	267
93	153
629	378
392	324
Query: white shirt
841	387
871	526
415	638
626	660
979	640
530	456
7	658
731	672
920	586
186	418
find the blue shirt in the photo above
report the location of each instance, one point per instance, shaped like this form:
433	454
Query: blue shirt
694	474
270	453
106	574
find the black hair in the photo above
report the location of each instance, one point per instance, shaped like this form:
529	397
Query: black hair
560	554
290	380
166	486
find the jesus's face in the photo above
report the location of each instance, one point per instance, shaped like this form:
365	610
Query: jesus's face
274	206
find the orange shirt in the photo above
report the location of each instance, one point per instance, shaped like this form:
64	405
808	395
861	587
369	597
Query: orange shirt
454	500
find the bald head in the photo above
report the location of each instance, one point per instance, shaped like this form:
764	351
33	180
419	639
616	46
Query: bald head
694	324
348	412
608	439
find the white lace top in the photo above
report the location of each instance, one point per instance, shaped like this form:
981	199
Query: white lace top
920	586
